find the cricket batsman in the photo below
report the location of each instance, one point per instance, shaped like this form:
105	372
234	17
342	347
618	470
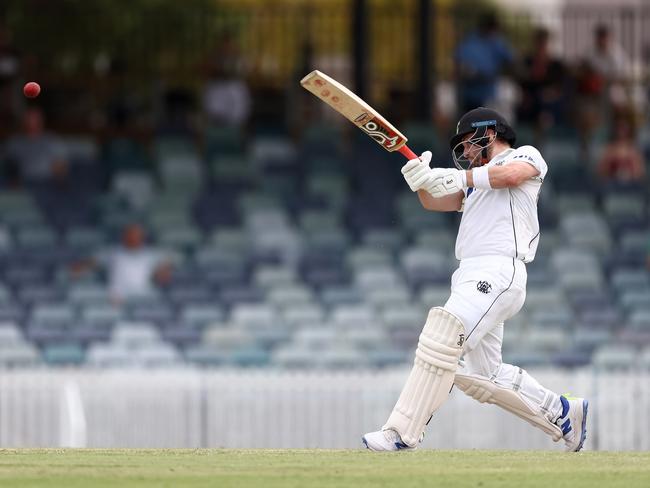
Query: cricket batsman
496	186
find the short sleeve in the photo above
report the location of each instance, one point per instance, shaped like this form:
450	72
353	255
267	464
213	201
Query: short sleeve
532	156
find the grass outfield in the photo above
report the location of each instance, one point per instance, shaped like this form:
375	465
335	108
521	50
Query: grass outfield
314	468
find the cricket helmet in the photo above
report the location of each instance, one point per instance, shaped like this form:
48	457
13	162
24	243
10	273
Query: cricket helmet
477	122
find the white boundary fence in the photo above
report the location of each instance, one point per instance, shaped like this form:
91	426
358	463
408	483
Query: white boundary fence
269	409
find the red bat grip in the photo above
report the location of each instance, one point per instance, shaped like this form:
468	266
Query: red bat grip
408	154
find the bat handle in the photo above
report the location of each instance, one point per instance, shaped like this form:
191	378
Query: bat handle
407	153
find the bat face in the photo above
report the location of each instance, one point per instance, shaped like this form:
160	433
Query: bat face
381	131
354	109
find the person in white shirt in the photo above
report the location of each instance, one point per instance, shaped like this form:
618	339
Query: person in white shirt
133	268
496	187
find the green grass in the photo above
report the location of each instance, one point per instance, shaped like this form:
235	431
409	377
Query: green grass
314	468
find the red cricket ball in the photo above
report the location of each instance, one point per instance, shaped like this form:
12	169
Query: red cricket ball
31	89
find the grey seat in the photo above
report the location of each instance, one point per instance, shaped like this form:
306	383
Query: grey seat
157	354
134	335
19	355
614	357
106	355
201	315
69	354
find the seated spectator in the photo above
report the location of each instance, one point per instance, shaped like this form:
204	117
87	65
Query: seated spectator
133	268
608	58
588	107
481	57
621	161
543	80
37	155
9	74
226	96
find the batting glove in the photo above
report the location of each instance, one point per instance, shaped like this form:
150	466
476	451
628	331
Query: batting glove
446	182
417	172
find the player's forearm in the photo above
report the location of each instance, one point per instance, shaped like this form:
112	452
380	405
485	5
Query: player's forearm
508	176
448	203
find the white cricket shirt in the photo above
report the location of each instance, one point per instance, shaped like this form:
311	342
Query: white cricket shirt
503	222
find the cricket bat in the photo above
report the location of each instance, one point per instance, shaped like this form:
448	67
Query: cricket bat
357	111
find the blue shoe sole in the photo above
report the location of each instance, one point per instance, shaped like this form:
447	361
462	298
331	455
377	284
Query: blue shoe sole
365	442
583	436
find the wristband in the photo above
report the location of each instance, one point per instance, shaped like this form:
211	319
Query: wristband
481	178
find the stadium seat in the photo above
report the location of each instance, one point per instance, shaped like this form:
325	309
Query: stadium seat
254	316
272	277
10	334
202	355
290	296
334	295
614	357
364	338
316	337
303	315
159	314
628	279
367	257
353	315
185	294
383	239
227	336
343	357
389	297
545	339
184	237
635	299
292	357
103	355
36	238
201	315
403	317
388	358
639	320
434	295
423	266
156	355
315	220
20	355
440	240
135	187
63	354
378	277
134	335
249	357
544	298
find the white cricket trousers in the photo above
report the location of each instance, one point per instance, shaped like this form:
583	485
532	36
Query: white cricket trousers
485	292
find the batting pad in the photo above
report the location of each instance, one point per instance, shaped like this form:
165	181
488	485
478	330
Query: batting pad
430	380
510	399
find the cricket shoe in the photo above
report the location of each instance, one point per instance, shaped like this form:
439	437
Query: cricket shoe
573	422
386	440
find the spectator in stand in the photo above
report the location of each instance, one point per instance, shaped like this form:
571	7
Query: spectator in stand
226	97
133	268
608	58
480	59
9	71
544	84
621	161
36	154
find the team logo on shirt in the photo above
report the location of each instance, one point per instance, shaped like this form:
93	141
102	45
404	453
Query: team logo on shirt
461	340
484	287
